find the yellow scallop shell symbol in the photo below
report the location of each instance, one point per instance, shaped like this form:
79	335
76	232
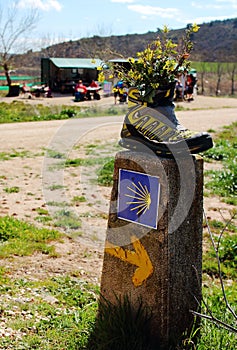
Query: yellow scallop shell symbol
141	198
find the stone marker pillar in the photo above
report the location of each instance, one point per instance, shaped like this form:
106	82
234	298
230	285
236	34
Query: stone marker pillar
161	265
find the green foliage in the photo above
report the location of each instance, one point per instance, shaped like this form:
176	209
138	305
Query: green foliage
222	150
46	325
213	337
86	162
224	182
68	112
159	63
14	154
74	162
55	154
55	187
21	238
105	174
22	112
13	189
228	268
211	67
43	216
226	245
228	251
120	325
78	199
67	220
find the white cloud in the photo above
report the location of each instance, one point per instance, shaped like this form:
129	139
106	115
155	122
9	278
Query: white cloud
231	3
123	1
234	2
197	5
46	5
216	4
157	11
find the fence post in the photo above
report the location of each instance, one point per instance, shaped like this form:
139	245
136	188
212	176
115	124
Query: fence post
160	261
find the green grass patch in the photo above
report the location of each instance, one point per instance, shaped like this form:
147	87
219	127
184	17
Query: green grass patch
14	154
92	161
57	313
13	189
55	154
120	325
211	335
105	174
21	238
57	204
55	187
61	313
17	111
227	250
43	216
78	199
67	220
224	182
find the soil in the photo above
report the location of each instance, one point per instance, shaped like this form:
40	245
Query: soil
82	254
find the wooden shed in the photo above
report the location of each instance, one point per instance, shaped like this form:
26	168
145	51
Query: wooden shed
62	74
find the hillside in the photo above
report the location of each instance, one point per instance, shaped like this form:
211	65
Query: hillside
214	42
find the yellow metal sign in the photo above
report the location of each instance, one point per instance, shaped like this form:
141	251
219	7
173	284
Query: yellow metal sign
138	257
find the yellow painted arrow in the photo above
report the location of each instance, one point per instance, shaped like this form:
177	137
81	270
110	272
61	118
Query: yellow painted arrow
138	257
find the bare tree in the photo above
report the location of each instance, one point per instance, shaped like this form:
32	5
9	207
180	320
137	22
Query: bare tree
49	45
219	71
231	70
14	30
202	73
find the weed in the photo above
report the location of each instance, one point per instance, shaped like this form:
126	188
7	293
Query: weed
55	187
14	154
224	182
42	211
105	174
78	199
120	325
74	162
55	154
14	189
57	204
227	250
69	112
43	219
67	220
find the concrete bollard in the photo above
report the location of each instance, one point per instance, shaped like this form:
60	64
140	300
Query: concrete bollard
161	264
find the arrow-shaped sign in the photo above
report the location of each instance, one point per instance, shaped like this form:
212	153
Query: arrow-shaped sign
138	257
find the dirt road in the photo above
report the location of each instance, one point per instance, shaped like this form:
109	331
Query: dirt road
27	170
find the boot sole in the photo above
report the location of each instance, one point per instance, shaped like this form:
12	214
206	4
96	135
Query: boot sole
171	149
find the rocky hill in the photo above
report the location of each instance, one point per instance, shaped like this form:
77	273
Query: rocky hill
214	42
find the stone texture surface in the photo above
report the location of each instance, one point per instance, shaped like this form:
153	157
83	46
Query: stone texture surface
174	248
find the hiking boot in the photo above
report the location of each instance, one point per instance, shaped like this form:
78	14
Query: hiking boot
148	127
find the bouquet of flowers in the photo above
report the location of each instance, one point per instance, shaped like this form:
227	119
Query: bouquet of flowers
151	121
158	65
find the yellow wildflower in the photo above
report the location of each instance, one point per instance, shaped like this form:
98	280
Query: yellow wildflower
195	27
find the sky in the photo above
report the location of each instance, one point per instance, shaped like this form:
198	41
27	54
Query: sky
73	19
